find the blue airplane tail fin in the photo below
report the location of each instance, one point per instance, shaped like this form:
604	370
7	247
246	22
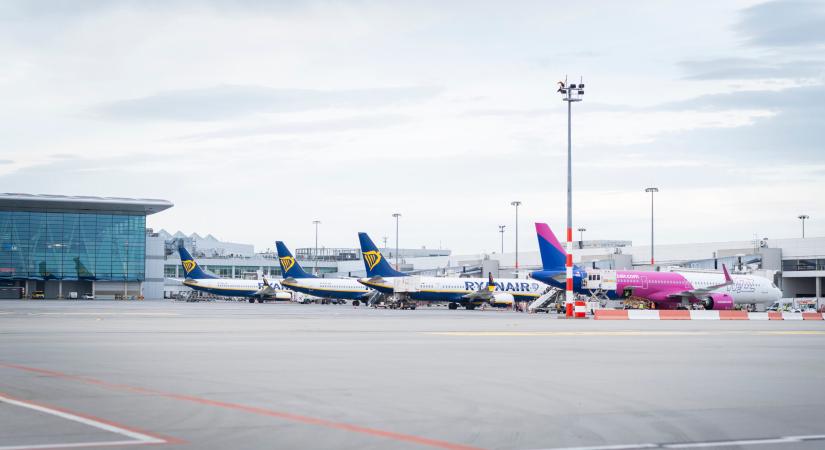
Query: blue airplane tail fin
553	255
289	266
191	269
374	261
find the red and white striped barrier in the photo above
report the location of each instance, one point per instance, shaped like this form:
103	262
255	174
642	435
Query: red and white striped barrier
580	310
671	314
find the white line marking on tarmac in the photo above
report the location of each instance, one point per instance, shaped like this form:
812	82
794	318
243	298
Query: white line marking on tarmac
137	437
607	447
74	445
707	444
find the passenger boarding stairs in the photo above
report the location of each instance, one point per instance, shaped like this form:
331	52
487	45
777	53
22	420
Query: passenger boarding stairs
551	295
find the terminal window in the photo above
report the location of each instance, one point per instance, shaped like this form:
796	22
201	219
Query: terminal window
72	246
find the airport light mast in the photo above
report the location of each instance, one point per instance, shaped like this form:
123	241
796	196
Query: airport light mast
396	215
570	93
581	237
652	191
316	222
501	230
803	218
516	203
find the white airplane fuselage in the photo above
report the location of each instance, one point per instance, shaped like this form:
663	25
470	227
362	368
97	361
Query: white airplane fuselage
239	288
443	289
342	288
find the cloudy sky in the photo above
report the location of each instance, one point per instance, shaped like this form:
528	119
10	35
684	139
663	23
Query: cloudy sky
257	117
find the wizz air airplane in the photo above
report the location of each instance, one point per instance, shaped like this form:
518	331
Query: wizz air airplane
466	292
668	290
296	279
199	280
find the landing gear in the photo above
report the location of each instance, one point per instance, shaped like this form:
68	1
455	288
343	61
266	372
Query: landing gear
251	300
470	306
355	303
453	305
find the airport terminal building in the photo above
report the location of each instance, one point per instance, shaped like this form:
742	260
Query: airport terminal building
55	246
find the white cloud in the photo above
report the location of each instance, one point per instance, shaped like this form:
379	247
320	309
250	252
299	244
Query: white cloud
349	111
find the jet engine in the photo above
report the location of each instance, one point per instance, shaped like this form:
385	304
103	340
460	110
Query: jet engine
718	301
502	298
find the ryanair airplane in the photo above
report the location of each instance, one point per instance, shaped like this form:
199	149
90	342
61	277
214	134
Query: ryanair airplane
466	292
296	279
199	280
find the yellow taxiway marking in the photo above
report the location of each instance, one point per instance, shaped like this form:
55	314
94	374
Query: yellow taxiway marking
151	314
622	333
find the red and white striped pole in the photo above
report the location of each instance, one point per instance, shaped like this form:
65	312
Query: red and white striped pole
570	93
569	296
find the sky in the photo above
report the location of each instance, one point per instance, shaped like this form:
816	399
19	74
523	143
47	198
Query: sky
255	117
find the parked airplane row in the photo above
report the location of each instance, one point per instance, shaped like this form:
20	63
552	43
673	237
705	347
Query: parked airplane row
666	289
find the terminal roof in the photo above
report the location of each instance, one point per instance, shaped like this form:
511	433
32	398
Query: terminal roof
18	201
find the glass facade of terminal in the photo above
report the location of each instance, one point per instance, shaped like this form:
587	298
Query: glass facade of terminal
803	264
72	246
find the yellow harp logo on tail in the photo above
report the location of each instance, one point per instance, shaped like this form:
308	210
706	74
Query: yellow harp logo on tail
372	258
188	265
287	262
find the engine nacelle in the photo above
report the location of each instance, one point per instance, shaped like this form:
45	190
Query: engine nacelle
718	301
502	298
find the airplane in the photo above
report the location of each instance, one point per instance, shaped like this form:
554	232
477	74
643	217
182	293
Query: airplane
466	292
668	290
296	279
199	280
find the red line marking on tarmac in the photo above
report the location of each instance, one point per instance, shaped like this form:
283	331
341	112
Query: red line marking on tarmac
401	437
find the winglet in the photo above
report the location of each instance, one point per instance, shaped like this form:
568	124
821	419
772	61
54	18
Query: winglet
728	279
491	286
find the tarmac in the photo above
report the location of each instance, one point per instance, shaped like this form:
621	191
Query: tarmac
221	375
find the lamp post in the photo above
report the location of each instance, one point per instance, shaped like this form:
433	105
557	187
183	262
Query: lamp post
316	223
396	215
501	230
516	203
803	217
385	243
652	191
570	93
581	237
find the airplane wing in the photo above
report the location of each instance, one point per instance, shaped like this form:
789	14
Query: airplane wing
265	290
378	281
484	293
701	292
